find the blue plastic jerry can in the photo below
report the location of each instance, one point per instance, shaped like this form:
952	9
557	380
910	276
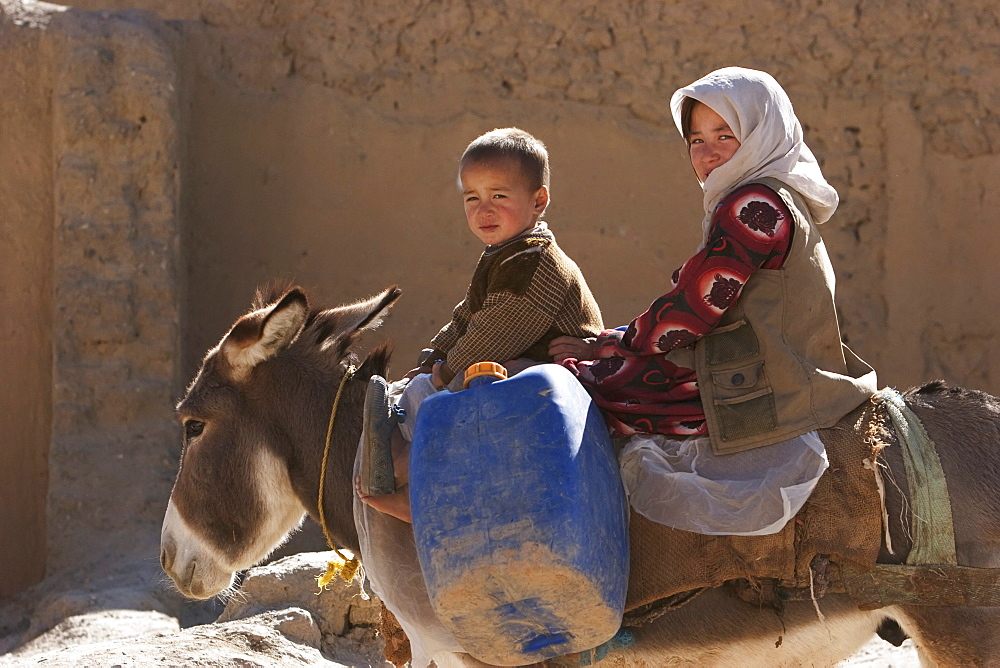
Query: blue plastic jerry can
520	517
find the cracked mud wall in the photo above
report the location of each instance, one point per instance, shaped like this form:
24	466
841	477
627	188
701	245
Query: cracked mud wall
319	141
115	283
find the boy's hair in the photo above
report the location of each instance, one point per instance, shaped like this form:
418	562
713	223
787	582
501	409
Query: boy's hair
511	144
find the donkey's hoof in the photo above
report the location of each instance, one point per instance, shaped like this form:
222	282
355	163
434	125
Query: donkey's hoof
377	475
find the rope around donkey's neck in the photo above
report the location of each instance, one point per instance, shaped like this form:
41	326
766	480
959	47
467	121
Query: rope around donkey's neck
345	568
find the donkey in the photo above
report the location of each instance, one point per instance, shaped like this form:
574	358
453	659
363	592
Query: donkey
255	423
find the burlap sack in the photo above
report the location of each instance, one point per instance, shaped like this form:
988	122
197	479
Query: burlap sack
842	519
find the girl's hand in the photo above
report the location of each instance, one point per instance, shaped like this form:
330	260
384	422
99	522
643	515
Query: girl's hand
565	347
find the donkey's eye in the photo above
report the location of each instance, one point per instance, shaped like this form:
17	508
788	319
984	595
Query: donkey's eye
193	428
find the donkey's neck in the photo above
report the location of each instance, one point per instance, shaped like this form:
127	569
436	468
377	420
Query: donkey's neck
338	492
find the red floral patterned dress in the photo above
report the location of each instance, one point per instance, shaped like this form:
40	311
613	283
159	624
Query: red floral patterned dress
631	379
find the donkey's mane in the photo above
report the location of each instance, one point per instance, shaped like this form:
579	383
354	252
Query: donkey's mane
377	362
929	392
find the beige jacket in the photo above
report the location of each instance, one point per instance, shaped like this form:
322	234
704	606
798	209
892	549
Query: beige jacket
775	366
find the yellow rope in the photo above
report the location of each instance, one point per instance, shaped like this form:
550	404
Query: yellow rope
345	568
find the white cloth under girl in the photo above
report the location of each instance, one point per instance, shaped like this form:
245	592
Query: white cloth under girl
681	483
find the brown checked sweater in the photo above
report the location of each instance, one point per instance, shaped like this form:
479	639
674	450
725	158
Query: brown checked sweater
524	293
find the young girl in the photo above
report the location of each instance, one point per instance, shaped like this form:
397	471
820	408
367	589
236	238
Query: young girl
720	385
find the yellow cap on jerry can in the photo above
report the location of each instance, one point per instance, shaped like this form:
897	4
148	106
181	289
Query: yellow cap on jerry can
483	369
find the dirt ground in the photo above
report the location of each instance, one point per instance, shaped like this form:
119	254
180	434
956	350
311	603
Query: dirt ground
129	617
880	654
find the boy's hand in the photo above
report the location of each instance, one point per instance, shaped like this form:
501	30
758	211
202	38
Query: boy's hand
425	362
436	378
566	347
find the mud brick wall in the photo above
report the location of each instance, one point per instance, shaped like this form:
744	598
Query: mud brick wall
95	193
321	141
116	322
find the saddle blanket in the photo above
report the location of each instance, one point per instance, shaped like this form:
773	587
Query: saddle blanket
842	519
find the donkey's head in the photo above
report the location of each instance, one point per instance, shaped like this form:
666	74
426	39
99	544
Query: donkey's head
254	421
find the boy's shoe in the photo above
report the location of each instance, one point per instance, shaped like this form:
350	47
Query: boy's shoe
377	475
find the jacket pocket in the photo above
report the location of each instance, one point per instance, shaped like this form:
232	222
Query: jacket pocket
744	402
739	382
733	343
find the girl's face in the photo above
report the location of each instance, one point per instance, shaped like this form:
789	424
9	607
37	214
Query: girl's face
711	141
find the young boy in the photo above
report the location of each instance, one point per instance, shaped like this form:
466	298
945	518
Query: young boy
524	292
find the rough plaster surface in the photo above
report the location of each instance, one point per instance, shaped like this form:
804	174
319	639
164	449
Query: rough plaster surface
321	141
115	282
318	142
93	177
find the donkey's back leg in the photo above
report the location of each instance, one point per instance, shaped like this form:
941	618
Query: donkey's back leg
952	636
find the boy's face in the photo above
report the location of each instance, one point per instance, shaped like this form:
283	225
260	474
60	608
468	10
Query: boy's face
499	205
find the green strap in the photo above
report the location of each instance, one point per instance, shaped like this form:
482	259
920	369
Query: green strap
899	584
930	507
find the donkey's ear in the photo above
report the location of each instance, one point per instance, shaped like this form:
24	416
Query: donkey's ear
344	323
262	334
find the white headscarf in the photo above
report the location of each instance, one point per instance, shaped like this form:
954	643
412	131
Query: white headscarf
760	114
